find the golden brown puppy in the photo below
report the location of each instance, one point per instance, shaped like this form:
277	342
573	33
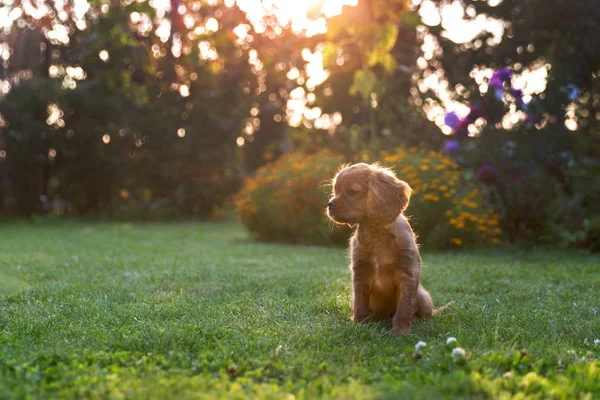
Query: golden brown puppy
386	265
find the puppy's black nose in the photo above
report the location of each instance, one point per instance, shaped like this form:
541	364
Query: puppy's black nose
331	204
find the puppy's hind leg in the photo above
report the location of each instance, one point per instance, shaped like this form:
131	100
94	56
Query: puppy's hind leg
424	308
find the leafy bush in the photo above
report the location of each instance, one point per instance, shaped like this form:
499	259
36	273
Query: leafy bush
580	224
134	136
444	211
540	172
543	190
285	200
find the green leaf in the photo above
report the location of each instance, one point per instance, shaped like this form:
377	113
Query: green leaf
329	54
363	83
411	20
388	62
389	35
380	54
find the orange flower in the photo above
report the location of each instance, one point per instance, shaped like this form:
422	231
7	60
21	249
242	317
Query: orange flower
456	241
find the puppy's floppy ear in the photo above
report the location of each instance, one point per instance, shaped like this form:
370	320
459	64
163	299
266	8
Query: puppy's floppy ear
388	196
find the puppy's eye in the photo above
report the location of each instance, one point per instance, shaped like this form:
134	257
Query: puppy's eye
351	191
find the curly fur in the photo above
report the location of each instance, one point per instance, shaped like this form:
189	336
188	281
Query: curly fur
385	259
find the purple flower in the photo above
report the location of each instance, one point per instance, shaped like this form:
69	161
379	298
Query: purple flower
451	119
486	175
462	130
518	95
515	175
495	82
459	126
571	91
452	147
512	173
504	74
498	94
499	77
532	119
474	113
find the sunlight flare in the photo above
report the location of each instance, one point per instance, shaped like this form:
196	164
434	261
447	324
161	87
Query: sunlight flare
307	17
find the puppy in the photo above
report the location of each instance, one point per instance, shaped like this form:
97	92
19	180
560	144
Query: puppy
385	259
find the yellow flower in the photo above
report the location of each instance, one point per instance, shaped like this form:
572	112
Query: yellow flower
456	241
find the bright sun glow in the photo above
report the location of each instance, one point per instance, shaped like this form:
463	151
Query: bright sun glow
307	17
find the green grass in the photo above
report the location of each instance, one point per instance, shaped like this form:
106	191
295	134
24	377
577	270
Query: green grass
199	311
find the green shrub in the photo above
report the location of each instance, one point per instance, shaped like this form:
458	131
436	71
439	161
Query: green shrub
285	200
443	211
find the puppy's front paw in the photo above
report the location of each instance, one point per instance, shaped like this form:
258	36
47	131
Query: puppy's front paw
360	318
401	328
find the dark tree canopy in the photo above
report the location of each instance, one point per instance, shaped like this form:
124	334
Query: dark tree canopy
161	109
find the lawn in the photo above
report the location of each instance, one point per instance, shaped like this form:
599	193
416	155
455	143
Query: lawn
198	310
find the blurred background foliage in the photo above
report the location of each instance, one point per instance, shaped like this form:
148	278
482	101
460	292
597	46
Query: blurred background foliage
166	109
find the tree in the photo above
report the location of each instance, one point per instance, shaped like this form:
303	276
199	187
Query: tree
370	51
145	117
546	158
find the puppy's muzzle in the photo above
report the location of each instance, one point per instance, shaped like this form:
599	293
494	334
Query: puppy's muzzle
331	209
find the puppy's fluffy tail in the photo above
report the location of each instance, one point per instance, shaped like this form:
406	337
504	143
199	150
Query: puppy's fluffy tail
443	308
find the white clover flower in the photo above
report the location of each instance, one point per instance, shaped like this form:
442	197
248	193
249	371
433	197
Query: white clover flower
458	354
420	345
451	343
597	342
